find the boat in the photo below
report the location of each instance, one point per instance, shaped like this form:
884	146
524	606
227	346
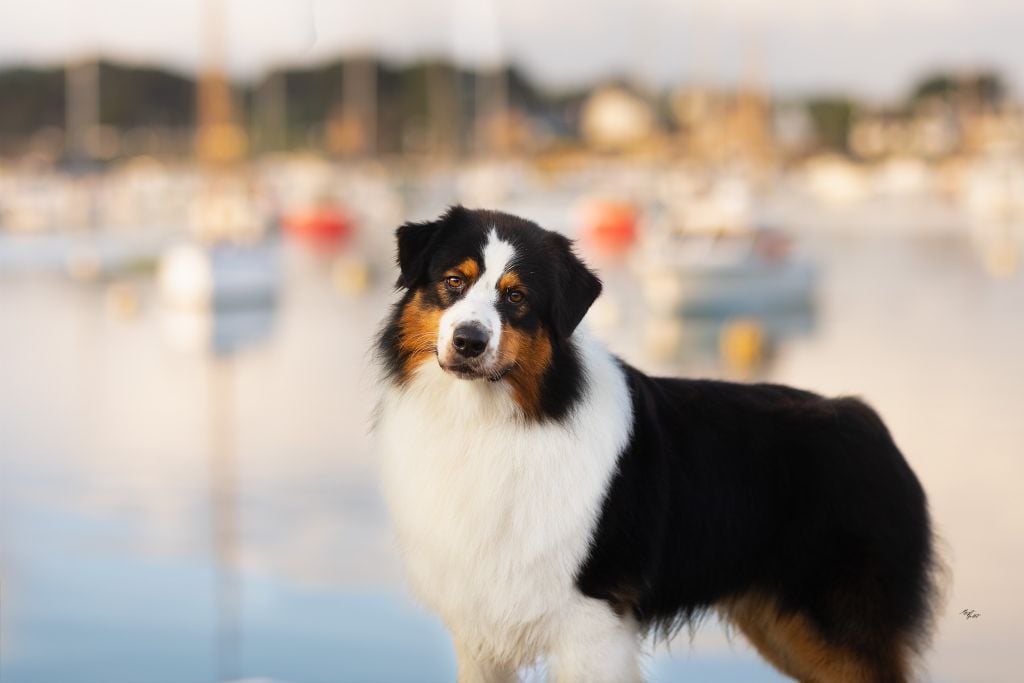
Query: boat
220	276
727	274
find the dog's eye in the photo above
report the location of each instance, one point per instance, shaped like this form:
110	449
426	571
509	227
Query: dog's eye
454	283
514	296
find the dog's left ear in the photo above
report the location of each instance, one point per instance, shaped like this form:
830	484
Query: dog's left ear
577	287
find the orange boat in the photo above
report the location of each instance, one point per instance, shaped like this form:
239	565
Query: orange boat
324	226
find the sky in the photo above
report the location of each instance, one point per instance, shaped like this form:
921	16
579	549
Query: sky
872	48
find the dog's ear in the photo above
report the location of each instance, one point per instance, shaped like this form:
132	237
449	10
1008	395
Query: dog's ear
414	246
414	240
576	287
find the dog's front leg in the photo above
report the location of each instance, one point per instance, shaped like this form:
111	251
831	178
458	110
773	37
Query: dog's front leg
596	645
477	668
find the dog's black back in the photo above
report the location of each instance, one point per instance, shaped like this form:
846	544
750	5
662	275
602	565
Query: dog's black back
733	493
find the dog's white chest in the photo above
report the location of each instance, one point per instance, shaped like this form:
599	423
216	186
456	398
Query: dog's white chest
494	515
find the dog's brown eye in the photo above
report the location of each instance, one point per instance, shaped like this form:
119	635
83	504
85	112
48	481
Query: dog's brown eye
454	283
514	296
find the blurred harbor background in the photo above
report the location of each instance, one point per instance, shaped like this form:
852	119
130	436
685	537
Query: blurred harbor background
196	250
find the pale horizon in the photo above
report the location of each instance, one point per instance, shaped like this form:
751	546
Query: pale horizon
876	50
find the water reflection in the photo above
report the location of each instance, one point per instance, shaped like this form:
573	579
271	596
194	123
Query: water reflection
209	511
224	516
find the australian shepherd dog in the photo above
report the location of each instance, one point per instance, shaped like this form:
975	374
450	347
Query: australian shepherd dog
554	503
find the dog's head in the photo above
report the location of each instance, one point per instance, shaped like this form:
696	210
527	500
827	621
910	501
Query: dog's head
489	296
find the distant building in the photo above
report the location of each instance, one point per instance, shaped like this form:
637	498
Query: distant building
717	126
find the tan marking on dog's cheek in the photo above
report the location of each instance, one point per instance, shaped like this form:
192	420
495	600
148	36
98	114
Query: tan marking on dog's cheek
530	355
508	348
443	294
520	312
418	327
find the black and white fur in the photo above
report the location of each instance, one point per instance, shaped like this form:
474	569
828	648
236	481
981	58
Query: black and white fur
622	503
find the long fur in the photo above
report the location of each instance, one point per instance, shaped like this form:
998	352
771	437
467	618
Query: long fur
553	501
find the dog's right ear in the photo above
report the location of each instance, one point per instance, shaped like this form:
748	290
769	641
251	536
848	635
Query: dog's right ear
414	246
413	242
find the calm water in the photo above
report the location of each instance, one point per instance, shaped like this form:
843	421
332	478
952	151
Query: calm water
172	514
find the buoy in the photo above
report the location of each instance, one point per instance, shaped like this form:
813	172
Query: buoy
741	344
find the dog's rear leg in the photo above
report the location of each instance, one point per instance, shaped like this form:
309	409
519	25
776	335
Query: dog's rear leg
795	647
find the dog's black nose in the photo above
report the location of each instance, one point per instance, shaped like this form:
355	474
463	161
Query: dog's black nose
470	340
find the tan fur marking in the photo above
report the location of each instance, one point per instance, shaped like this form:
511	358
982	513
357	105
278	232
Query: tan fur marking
794	646
469	269
510	280
418	338
531	355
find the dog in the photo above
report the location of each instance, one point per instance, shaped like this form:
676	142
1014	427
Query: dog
552	502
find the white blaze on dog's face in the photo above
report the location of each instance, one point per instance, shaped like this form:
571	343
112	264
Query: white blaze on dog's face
488	296
469	334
